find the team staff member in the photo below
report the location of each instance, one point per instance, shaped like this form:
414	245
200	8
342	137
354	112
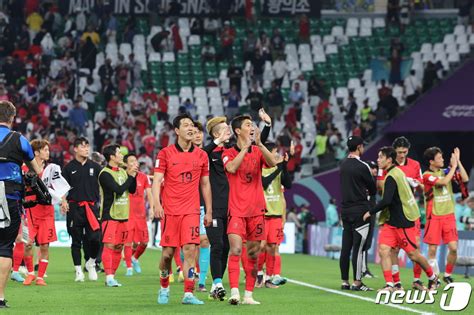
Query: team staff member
412	171
243	164
439	200
14	150
399	230
357	185
220	133
81	207
368	244
184	169
115	186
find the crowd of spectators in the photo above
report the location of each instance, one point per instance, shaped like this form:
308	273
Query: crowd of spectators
48	67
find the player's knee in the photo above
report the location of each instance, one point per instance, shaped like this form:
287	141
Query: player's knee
236	251
384	252
453	251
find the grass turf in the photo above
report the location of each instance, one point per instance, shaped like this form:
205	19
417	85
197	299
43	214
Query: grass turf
139	292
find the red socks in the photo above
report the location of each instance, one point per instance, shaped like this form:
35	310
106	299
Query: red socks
277	268
234	271
127	251
449	269
29	263
250	274
139	251
43	264
165	282
117	259
387	274
177	258
429	272
244	256
270	265
107	260
416	271
188	286
261	260
396	277
18	253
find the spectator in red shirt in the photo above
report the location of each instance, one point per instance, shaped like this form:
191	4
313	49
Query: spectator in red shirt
304	28
227	41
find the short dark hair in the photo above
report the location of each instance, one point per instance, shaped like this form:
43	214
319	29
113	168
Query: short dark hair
7	111
401	142
80	140
110	150
126	157
389	152
237	122
430	153
177	120
270	146
198	125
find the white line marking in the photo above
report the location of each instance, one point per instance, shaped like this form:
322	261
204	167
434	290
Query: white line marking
404	308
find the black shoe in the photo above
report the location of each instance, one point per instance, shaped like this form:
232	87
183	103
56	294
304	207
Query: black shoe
218	293
368	274
418	285
398	287
3	304
36	267
448	279
259	282
361	287
433	284
345	286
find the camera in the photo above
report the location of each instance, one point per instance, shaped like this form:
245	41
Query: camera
36	188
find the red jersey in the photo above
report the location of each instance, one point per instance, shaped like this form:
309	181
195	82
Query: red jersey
182	174
411	168
246	197
137	200
38	211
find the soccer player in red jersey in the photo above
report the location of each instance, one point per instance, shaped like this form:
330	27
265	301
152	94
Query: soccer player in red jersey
399	230
40	219
412	171
185	169
115	186
439	202
243	164
137	240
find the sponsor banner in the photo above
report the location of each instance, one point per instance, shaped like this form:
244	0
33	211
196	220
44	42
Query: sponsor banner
355	5
160	7
291	8
288	244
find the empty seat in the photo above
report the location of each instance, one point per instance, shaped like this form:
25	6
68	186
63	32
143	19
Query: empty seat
438	48
461	39
366	23
168	57
331	49
379	22
448	39
365	31
353	83
328	39
426	48
464	49
315	39
459	30
352	22
194	40
351	31
454	57
337	31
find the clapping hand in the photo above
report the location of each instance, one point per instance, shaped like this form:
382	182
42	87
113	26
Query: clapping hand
264	116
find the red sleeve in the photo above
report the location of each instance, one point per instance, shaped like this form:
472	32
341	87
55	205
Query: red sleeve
161	163
227	156
146	181
205	164
430	179
418	173
381	174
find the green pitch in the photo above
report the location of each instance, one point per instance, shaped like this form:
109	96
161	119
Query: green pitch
139	293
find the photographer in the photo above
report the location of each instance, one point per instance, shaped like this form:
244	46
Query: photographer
14	150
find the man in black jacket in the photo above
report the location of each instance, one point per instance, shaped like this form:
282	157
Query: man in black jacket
219	131
357	185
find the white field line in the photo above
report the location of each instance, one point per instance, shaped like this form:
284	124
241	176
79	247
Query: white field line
404	308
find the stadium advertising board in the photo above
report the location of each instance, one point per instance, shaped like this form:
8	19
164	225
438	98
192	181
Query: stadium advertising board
143	7
291	8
